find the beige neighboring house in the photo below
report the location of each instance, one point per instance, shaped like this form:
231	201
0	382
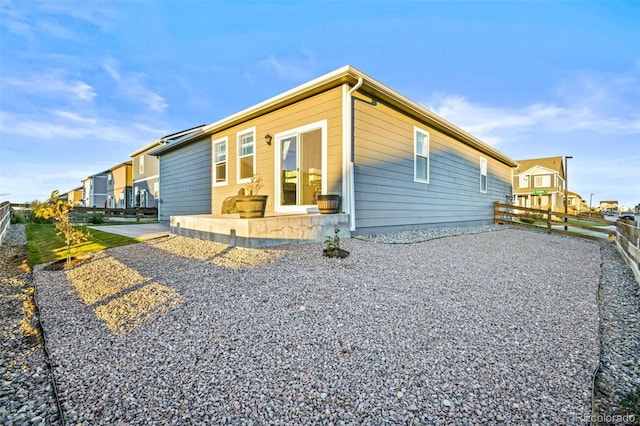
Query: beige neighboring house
608	206
119	186
575	205
75	196
539	183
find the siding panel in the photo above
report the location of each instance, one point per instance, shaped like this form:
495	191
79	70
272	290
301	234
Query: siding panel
185	180
324	106
387	198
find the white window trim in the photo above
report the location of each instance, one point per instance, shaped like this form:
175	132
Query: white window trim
213	161
415	154
251	130
141	165
322	125
542	183
483	172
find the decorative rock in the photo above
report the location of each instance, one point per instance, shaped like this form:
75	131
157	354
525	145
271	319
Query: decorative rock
446	324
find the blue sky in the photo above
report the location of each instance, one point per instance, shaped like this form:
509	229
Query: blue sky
84	83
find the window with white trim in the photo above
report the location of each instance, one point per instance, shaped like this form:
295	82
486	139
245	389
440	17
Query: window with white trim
421	155
220	162
483	175
246	155
542	181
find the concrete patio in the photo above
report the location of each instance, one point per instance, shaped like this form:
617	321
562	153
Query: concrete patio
274	229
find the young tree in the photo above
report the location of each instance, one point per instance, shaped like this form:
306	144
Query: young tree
58	210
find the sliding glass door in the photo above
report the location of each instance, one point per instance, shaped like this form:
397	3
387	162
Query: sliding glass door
300	169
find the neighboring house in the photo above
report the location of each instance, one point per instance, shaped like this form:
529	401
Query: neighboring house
575	203
146	171
75	196
94	190
119	186
539	183
609	206
395	164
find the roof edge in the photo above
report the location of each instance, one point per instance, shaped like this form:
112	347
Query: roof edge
345	74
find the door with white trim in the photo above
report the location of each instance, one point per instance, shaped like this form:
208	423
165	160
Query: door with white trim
300	167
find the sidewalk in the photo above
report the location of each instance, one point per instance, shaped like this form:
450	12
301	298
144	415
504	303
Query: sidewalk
143	232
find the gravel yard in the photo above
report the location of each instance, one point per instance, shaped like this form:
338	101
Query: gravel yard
480	328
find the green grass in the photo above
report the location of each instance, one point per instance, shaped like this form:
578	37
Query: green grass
114	223
585	223
45	246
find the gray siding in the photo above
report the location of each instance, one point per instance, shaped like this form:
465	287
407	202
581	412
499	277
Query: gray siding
388	199
185	181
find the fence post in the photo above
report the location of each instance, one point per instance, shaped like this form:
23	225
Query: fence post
137	214
549	221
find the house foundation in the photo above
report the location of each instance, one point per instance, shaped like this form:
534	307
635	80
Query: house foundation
272	230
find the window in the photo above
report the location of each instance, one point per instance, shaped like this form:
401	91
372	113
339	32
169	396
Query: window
542	181
421	156
483	175
220	162
523	181
246	155
141	166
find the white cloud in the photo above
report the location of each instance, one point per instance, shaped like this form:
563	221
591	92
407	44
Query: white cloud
52	82
290	68
64	125
99	14
131	86
602	104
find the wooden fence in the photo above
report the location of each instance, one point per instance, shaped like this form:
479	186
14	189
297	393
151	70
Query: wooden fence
628	242
554	222
136	212
5	218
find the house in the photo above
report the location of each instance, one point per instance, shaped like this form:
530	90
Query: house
75	196
395	164
539	183
119	184
94	190
609	206
146	178
575	203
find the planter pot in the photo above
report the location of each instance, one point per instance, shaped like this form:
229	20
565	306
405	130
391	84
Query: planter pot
328	203
251	206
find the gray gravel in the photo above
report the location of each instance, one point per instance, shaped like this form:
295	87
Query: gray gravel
26	387
619	373
497	327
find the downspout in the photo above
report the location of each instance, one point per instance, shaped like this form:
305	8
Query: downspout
348	182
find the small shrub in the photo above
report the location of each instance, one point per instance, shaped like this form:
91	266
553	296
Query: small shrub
631	402
42	220
17	217
333	244
96	219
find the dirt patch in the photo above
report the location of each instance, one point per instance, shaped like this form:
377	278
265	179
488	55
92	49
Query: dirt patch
62	264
